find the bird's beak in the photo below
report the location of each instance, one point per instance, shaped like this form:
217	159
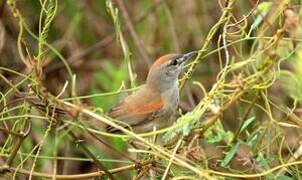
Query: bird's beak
188	56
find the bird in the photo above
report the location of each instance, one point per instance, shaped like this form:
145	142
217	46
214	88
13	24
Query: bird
153	105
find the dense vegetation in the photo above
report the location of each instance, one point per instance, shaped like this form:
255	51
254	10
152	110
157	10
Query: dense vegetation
64	64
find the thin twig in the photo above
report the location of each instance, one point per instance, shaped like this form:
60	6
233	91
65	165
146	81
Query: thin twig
246	114
245	16
136	39
172	28
165	176
26	128
91	155
212	32
41	143
297	154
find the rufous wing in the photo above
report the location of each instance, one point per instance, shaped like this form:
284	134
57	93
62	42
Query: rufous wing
134	112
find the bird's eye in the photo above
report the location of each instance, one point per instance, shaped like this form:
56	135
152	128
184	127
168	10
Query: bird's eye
174	62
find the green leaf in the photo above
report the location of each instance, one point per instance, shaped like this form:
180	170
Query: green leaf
262	160
216	133
247	123
263	8
229	156
252	139
168	136
183	125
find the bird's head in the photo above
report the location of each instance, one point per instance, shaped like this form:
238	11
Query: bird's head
164	72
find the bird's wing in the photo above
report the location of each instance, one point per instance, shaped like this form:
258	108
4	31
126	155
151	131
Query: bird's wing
134	111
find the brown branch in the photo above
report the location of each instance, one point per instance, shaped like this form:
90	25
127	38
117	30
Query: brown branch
7	131
83	175
19	139
295	119
109	146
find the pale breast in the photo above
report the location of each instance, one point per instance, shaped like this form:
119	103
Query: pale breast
172	100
